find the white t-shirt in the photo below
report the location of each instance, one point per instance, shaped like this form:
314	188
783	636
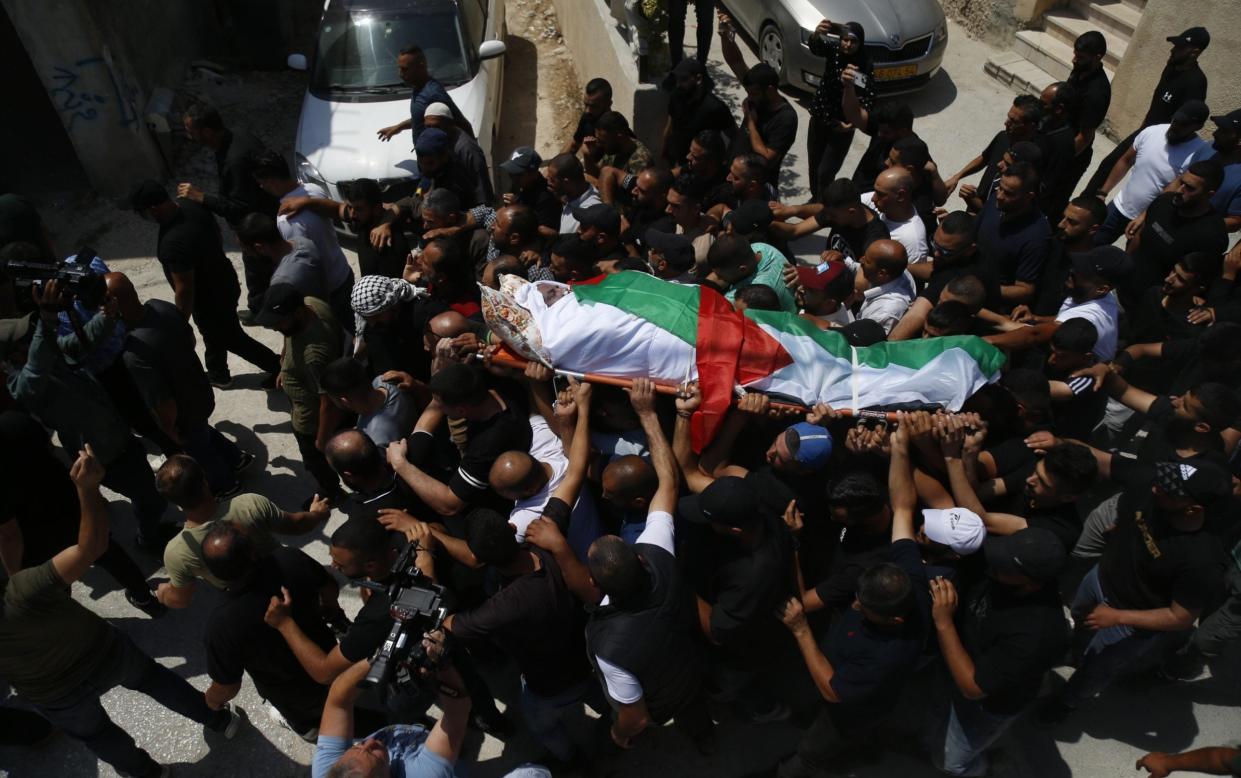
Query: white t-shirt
1156	166
1104	314
547	449
887	304
622	685
910	233
320	232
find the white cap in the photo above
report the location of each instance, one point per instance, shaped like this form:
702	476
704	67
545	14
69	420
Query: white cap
438	109
957	528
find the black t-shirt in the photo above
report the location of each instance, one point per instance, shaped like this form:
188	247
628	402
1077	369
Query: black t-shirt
387	261
1077	417
941	277
159	355
694	114
1014	462
1094	97
508	430
35	490
1151	322
369	628
239	192
1183	358
1175	87
853	241
819	536
1149	564
585	127
1016	245
191	243
857	551
534	618
872	663
1014	640
1051	291
744	586
778	129
1167	236
1059	147
547	207
239	642
874	160
991	156
399	345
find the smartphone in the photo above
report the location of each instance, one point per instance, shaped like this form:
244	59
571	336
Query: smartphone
559	383
859	80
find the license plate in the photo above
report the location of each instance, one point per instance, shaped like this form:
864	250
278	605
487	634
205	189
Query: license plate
894	73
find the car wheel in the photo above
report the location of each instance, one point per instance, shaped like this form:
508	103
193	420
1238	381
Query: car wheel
771	48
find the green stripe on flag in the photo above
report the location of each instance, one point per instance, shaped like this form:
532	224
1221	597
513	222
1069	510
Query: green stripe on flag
672	307
913	354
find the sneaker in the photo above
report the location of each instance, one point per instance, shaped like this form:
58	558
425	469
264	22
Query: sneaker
279	720
146	602
246	460
220	381
246	317
1184	665
1051	711
236	716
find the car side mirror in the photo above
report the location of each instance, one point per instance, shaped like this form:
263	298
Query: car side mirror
492	49
296	61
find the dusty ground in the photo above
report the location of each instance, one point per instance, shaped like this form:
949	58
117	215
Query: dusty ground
541	105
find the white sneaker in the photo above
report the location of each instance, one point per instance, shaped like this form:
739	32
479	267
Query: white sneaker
278	718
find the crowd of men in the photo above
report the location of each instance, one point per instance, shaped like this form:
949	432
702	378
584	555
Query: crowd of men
1079	512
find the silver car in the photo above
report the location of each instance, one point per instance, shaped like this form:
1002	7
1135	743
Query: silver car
906	38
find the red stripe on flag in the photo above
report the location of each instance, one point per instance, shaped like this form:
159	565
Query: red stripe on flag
730	349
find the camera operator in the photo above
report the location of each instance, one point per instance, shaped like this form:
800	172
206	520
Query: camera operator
403	750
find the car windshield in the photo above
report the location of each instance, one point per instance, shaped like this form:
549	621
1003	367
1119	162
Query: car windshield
358	47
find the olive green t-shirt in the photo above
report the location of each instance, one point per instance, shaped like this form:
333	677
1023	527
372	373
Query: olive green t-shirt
306	354
183	559
49	644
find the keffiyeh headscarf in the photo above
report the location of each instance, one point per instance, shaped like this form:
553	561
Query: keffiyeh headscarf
373	295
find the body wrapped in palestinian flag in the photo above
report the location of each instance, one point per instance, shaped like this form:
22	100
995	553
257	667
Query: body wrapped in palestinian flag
632	325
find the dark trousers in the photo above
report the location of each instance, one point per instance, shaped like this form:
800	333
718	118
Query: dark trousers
81	716
258	270
342	305
826	150
818	749
316	464
217	455
222	334
1074	172
1109	162
122	567
130	475
704	12
117	382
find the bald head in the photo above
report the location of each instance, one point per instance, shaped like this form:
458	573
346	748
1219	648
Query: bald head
356	458
895	179
893	195
516	475
121	289
884	261
448	324
629	482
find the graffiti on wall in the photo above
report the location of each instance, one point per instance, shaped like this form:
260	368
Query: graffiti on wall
86	91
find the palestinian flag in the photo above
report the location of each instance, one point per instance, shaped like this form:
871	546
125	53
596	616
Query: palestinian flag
632	324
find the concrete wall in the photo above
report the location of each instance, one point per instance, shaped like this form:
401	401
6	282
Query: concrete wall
1148	53
92	88
995	21
599	51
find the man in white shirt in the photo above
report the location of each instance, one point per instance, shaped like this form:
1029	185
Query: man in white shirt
1159	154
566	178
891	289
892	199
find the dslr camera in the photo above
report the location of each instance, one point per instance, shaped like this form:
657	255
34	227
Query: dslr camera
76	278
416	605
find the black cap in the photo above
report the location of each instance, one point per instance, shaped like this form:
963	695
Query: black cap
1192	112
1033	552
863	333
601	216
573	249
749	217
1199	480
726	502
677	250
1229	121
1197	37
761	75
1030	388
280	302
688	67
147	194
523	160
1110	263
1025	151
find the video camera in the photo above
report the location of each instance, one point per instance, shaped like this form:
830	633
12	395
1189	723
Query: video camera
75	278
416	605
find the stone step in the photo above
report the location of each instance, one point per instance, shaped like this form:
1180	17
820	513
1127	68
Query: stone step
1117	18
1045	51
1067	26
1016	71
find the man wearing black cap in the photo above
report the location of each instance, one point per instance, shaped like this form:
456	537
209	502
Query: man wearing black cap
1182	80
671	256
203	281
1012	631
1159	570
1227	145
311	342
693	108
528	187
768	121
1159	154
600	226
1178	222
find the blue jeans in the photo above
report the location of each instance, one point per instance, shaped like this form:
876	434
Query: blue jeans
971	731
545	716
217	455
130	475
1113	226
81	716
